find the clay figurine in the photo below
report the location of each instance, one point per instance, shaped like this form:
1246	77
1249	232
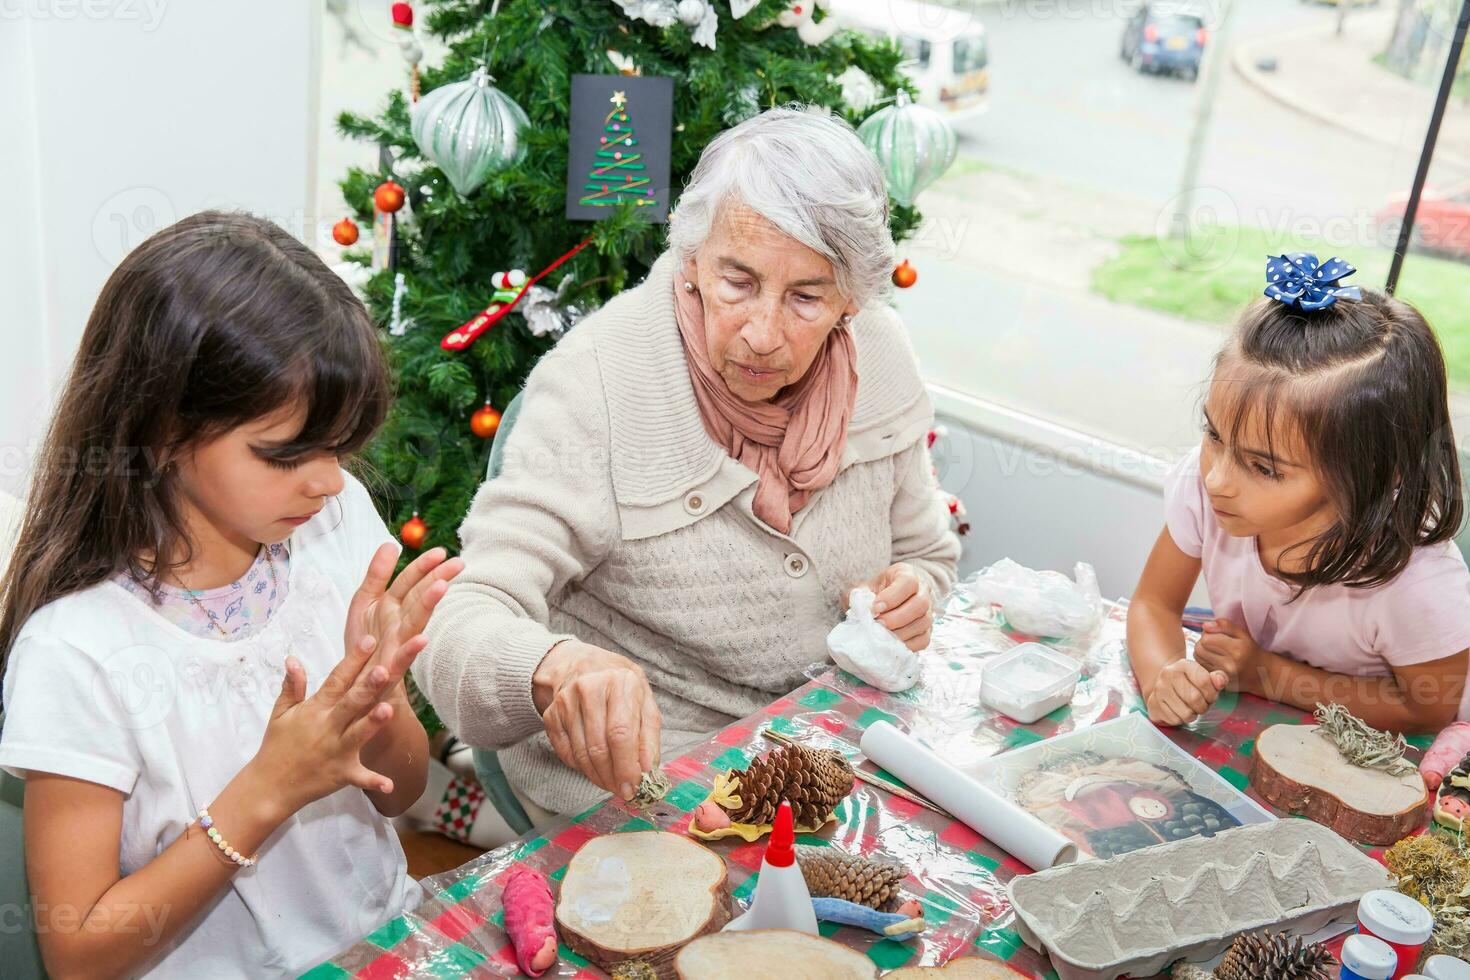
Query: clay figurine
900	926
528	913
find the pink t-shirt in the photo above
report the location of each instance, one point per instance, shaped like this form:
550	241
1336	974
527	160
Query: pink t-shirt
1422	615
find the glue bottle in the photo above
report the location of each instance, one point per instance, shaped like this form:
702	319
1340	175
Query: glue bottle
781	899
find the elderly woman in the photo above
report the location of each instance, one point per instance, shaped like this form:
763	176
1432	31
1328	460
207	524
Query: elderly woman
700	473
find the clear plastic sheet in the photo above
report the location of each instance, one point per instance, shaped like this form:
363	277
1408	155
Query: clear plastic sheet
956	874
459	928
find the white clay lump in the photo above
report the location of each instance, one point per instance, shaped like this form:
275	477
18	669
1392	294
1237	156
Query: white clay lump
865	648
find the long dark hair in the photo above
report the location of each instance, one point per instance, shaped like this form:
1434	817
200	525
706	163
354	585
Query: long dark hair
1362	384
213	322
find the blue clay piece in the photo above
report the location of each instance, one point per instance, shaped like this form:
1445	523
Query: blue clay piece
890	925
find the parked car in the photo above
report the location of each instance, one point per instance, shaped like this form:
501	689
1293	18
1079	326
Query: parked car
1442	223
1165	37
946	51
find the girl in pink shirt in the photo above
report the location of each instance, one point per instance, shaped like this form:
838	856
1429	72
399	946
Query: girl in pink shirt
1321	506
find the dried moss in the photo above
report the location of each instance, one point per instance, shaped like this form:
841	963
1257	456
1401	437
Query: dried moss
1434	869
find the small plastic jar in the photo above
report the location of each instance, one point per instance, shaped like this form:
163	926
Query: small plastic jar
1443	967
1399	921
1367	958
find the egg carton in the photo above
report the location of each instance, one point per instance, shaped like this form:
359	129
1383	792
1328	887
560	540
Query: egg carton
1138	912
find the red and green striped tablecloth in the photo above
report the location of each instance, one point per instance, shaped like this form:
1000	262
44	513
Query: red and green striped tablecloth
957	875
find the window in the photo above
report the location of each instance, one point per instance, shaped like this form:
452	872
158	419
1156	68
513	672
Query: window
969	55
1112	208
916	51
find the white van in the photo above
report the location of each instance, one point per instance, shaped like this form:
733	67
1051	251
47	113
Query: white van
946	49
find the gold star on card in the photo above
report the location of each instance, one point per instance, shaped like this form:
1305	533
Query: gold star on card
618	98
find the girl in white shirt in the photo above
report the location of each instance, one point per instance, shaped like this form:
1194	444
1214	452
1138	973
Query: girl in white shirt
202	639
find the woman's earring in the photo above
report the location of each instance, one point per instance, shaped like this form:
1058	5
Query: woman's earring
845	319
688	286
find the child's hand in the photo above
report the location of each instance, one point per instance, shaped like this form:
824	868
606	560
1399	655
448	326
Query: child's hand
1229	649
1182	692
391	618
311	745
1448	749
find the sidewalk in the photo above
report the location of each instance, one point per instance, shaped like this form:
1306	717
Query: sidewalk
1335	79
1004	308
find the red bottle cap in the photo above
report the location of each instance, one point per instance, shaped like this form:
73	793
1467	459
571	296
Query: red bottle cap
781	851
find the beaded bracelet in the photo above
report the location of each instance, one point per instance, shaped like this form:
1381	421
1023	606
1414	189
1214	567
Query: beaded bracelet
207	822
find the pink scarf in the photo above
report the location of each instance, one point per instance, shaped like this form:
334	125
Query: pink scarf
793	442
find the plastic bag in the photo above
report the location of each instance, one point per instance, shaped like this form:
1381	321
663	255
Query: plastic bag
864	647
1040	603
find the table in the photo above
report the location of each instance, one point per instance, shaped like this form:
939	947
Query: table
958	876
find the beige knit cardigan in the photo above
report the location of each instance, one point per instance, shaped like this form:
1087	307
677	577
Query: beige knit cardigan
617	521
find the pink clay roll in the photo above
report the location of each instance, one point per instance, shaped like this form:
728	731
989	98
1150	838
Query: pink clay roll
529	909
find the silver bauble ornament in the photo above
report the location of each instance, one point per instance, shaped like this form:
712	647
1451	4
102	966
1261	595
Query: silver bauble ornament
469	130
914	144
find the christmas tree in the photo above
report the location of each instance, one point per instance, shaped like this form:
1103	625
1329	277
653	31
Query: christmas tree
428	458
619	175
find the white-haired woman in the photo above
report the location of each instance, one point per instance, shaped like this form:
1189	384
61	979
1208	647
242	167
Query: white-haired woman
700	473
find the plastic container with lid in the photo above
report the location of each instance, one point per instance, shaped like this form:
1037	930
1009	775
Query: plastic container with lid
1399	921
1367	958
1441	967
1029	682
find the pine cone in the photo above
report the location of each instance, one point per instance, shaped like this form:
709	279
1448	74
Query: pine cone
1275	956
812	780
830	873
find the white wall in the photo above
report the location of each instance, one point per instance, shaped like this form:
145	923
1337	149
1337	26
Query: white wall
1049	497
121	116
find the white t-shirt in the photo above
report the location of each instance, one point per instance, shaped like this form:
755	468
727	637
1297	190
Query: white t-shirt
103	688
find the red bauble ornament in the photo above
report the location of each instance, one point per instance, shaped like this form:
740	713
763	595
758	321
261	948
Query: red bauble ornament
905	275
388	197
485	422
344	232
414	532
402	15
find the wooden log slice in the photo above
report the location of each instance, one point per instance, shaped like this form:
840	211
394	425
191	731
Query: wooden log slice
1299	771
762	953
640	896
964	968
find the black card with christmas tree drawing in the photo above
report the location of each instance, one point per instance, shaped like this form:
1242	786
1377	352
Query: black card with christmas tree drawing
621	128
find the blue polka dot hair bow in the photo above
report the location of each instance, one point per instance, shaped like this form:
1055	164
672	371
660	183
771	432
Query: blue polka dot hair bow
1298	279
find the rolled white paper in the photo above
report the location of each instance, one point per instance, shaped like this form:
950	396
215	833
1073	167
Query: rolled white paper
1015	831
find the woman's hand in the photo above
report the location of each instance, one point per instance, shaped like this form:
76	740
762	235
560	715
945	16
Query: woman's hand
901	604
1182	691
599	713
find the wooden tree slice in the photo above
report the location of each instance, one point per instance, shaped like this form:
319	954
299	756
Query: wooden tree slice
1300	771
640	896
965	968
782	953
